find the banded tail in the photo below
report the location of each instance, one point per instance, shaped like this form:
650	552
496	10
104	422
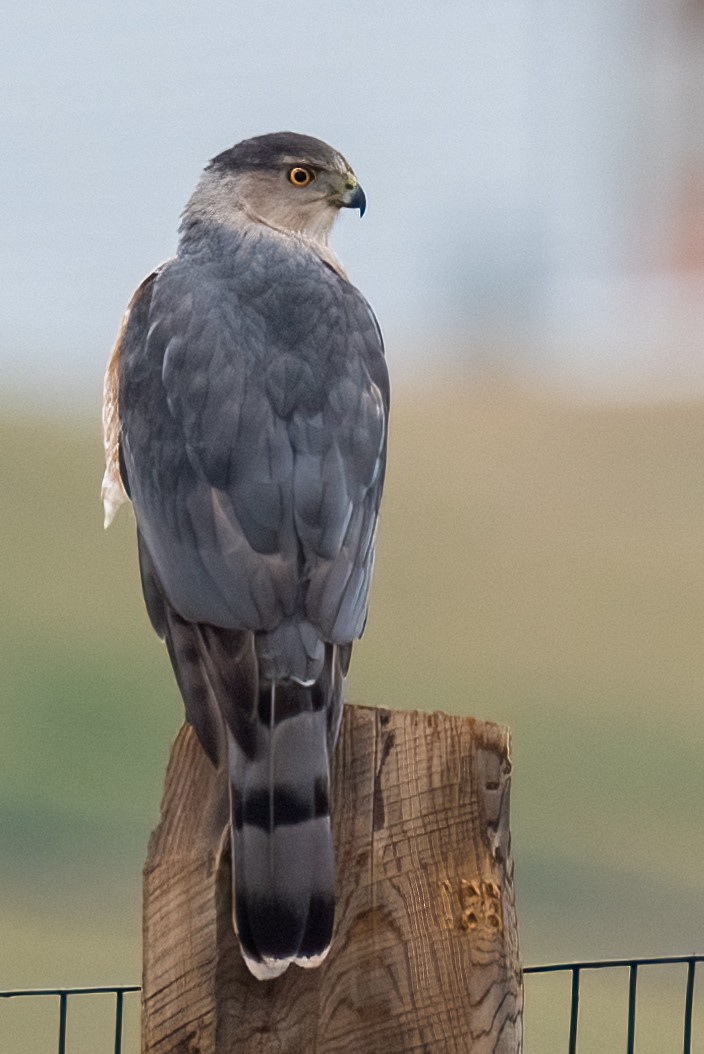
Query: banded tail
277	738
283	860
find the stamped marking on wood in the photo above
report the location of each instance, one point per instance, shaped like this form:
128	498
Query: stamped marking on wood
481	906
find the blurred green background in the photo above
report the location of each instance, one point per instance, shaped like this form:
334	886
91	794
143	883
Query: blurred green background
540	564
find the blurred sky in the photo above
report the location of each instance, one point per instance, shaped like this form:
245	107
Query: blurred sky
534	170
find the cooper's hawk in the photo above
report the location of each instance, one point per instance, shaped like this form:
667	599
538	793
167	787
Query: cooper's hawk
245	416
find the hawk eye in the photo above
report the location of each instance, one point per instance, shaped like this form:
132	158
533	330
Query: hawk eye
301	177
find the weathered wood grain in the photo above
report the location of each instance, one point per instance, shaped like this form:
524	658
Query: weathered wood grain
425	956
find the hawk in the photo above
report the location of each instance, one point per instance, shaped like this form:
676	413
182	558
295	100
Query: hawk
245	417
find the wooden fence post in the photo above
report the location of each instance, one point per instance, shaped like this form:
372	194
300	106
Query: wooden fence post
425	955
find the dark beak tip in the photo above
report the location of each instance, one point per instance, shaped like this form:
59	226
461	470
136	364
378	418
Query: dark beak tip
357	200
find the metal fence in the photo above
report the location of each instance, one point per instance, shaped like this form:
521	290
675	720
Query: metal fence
633	966
576	969
62	994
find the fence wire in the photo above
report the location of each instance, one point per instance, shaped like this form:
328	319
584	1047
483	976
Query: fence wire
119	991
576	969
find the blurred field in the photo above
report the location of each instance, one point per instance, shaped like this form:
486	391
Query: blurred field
540	564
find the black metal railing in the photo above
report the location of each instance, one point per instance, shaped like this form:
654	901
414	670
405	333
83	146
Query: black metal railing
63	994
576	969
633	965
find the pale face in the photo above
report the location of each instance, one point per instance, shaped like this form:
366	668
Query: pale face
290	194
297	196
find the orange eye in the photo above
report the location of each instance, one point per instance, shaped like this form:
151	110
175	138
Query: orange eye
301	177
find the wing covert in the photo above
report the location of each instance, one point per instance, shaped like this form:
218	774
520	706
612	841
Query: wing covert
256	454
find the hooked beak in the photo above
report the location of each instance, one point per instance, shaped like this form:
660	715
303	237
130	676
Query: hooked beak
354	198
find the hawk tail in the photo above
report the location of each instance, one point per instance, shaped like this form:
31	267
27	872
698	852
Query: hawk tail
279	737
283	860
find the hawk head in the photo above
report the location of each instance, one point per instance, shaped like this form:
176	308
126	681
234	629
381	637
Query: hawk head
285	180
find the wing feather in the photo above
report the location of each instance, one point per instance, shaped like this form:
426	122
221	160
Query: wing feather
114	491
255	447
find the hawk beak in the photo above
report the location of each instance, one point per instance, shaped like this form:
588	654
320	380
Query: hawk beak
354	198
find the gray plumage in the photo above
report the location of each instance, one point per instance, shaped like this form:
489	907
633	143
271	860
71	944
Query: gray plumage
246	411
